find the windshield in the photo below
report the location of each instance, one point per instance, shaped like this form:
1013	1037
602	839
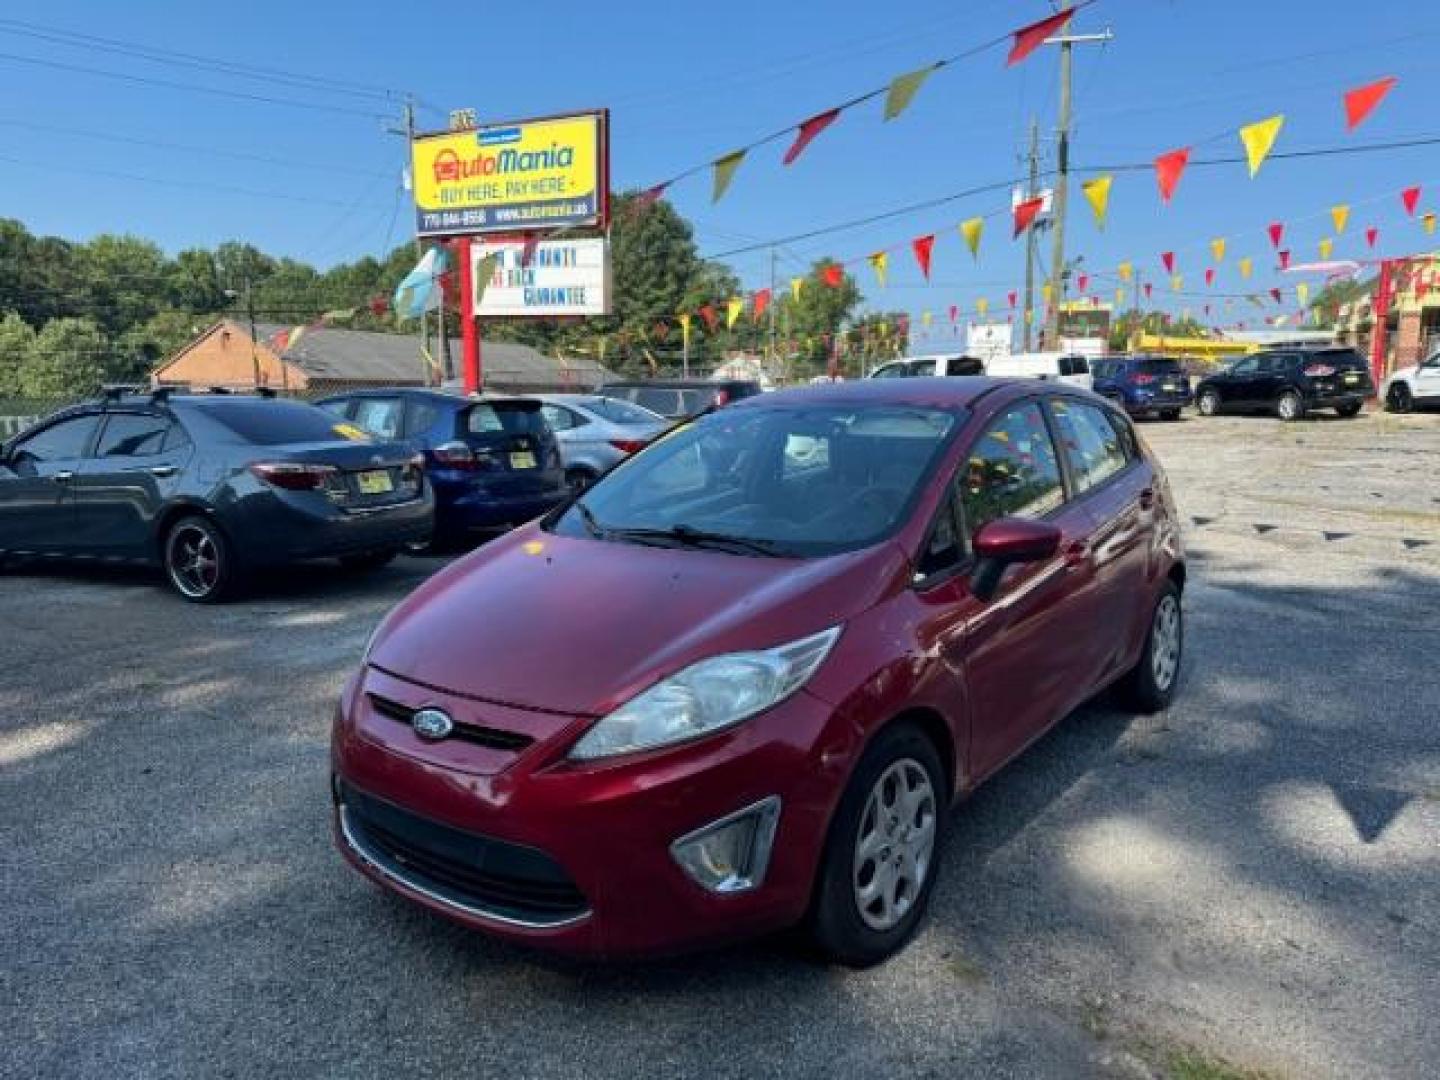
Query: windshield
798	481
622	412
505	417
276	423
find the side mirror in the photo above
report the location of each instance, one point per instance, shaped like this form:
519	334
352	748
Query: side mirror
1005	541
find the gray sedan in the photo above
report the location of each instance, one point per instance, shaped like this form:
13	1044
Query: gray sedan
596	432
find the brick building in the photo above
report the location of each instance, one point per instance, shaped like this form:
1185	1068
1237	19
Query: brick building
1413	326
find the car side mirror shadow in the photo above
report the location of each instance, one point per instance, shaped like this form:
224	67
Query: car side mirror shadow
1002	543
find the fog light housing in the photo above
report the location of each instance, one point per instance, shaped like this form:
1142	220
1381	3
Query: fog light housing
731	855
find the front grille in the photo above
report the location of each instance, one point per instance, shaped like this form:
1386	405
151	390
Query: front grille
488	737
500	880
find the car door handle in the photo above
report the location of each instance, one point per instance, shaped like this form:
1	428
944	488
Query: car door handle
164	471
64	476
1147	499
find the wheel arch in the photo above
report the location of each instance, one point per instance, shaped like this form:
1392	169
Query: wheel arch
173	513
937	729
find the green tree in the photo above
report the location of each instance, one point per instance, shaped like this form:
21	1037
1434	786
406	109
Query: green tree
193	282
819	315
141	349
17	338
69	357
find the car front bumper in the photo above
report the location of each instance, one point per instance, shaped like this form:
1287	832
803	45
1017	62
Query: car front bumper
603	828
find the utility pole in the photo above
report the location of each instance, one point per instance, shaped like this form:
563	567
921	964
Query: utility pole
250	311
1059	275
1030	237
770	349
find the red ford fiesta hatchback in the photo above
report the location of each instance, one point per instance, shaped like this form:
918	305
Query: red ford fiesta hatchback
737	685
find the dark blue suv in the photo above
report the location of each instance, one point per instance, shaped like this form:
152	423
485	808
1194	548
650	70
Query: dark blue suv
1143	385
492	462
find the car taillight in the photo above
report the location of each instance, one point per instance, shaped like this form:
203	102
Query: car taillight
1142	380
293	475
455	455
415	469
722	398
1314	370
629	446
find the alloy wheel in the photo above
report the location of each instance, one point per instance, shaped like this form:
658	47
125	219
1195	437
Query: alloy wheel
1209	405
1165	642
1289	407
193	560
1399	399
895	844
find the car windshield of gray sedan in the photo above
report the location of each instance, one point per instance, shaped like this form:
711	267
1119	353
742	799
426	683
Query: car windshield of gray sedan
791	482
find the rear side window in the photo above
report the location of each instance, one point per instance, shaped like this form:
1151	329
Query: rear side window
693	401
1074	365
621	412
664	402
562	419
132	435
423	415
1012	470
58	442
494	418
380	416
275	423
1091	442
1344	359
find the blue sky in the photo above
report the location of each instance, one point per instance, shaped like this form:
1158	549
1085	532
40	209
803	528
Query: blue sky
687	83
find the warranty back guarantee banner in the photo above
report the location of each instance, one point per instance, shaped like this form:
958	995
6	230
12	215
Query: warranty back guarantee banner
518	177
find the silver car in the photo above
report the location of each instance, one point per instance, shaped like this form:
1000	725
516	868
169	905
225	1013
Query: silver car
595	432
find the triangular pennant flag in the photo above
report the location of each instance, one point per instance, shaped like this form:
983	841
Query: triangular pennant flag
1277	234
1168	170
1046	292
1177	282
1371	235
903	89
1097	193
684	318
1302	290
1119	297
922	246
1327	248
1167	259
734	307
1149	290
954	312
1410	199
880	263
1083	282
796	284
1340	215
1259	139
1247	267
833	275
806	132
1277	296
982	306
971	230
1127	271
926	318
660	331
1026	212
710	315
649	196
1429	222
1013	298
1210	276
1029	38
1284	260
1361	102
1217	249
725	172
762	301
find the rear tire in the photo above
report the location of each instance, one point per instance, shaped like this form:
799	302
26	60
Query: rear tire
881	856
1290	407
1150	685
1208	403
1170	414
1399	400
369	560
579	479
199	562
1348	412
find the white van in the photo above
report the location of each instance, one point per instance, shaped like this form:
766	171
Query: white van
912	367
1062	367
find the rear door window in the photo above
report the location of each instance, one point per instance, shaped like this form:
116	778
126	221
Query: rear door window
664	402
622	412
132	435
1091	442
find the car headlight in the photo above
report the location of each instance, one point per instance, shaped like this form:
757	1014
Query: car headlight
706	697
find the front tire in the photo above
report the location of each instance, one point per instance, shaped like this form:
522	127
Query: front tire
1348	412
199	562
1208	403
1290	407
881	856
1170	414
1399	400
1150	685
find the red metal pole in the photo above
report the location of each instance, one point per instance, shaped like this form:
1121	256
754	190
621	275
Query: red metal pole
1381	315
469	329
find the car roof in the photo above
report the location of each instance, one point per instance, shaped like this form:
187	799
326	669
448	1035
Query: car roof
950	392
679	384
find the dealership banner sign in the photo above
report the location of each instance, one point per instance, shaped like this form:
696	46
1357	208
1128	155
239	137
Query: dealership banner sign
545	279
524	176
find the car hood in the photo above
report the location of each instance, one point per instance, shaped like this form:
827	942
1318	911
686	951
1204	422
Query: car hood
578	626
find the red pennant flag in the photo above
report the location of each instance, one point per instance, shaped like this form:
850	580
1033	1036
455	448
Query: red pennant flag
834	275
660	331
1029	38
1167	259
1148	289
1277	234
1410	197
1371	235
762	301
710	315
807	131
379	305
1168	170
1084	282
954	312
922	246
1277	296
1013	298
1210	276
649	197
1285	260
1360	103
1026	213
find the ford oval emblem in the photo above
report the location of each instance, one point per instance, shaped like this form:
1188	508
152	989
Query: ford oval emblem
432	724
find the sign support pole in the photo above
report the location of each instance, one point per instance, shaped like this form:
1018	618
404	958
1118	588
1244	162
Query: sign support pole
469	329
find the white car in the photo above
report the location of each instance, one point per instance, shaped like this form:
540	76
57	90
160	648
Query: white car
1412	386
925	366
1063	367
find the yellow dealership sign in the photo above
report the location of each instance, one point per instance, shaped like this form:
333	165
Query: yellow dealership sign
526	176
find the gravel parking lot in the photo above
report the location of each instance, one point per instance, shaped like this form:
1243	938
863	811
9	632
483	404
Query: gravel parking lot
1253	877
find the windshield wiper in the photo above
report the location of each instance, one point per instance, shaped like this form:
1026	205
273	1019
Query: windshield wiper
593	527
701	538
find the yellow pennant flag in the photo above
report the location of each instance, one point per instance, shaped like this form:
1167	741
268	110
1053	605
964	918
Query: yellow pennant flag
725	172
1127	271
1259	139
1429	222
880	263
903	89
982	306
1046	292
1247	267
684	318
1327	248
972	230
1302	290
1177	282
1340	215
1119	297
1097	194
1029	316
733	310
926	318
1185	314
1217	248
796	284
